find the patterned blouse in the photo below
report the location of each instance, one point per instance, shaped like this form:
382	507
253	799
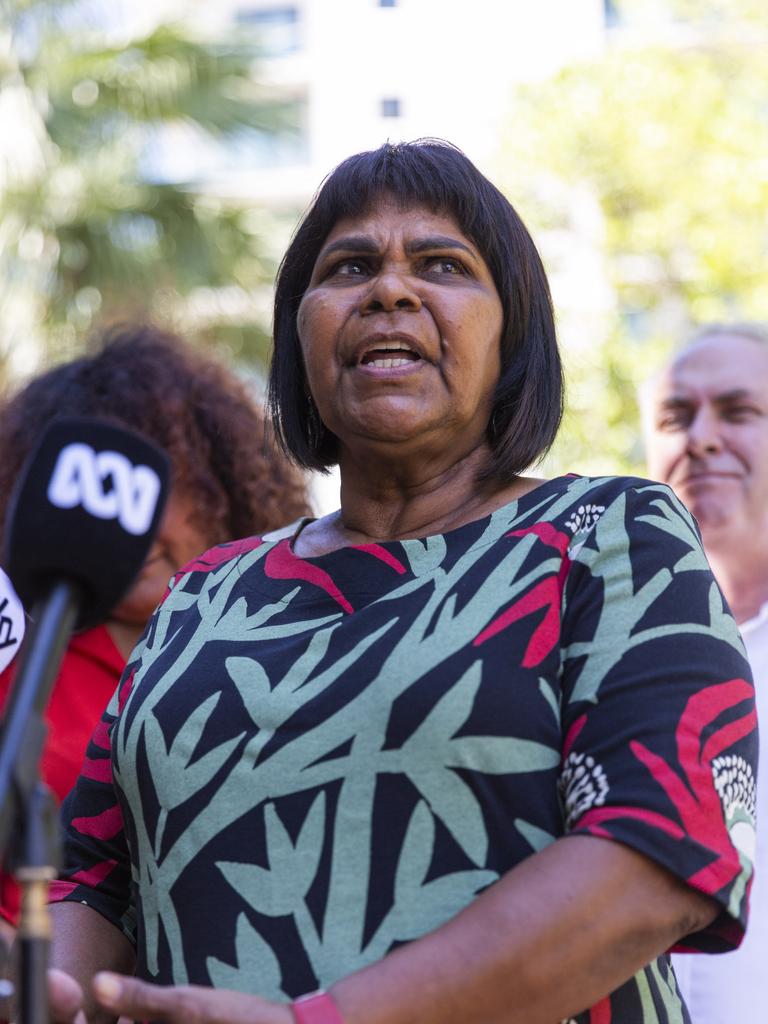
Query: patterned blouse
313	760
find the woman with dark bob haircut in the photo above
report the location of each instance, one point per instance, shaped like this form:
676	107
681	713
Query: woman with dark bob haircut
528	400
227	482
478	747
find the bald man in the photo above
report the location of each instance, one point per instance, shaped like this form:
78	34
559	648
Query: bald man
705	423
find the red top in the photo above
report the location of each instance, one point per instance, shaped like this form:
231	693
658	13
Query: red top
89	674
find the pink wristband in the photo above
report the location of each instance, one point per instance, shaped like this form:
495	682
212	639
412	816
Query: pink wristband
316	1008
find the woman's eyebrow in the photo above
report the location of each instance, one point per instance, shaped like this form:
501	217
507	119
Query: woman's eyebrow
365	244
438	242
350	243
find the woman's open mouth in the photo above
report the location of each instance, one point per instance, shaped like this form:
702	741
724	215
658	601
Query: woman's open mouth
388	358
389	354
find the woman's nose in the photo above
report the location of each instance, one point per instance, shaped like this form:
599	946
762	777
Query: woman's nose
390	290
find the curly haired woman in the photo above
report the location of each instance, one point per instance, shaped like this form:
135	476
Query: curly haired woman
228	481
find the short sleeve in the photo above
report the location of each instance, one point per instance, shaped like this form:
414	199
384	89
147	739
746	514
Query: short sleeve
95	859
660	739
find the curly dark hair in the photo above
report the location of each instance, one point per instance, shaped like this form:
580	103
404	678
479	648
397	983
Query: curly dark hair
528	403
190	405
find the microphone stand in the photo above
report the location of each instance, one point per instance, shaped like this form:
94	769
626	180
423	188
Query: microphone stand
27	817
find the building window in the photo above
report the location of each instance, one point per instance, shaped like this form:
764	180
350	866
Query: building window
390	107
276	28
611	14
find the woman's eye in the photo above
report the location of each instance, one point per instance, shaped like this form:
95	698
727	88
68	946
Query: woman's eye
446	265
350	268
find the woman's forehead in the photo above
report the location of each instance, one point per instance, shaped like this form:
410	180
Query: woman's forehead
388	214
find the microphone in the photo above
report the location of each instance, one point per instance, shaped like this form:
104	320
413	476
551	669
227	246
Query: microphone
84	511
11	622
80	525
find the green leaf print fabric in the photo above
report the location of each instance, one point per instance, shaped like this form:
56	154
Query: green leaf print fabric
314	761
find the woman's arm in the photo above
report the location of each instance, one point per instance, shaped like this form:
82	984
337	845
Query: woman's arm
84	943
553	937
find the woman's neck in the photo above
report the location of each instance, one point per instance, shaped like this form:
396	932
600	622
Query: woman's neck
396	506
125	635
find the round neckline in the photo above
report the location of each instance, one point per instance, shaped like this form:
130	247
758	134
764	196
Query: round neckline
541	490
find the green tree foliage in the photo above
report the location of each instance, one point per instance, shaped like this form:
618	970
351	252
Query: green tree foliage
667	134
86	233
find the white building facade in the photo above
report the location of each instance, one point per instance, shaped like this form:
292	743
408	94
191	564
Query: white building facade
360	72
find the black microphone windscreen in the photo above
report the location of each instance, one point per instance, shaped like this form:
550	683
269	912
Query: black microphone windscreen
85	509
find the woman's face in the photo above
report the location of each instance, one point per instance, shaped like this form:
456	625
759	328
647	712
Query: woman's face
178	540
400	330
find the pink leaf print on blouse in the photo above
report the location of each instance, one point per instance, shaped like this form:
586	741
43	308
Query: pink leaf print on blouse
383	555
547	593
601	1012
282	564
100	735
215	557
125	691
693	794
102	826
93	877
100	770
572	735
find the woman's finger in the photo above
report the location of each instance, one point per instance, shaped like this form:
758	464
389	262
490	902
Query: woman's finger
130	998
184	1004
64	995
65	998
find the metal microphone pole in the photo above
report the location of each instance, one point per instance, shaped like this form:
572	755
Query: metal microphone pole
26	807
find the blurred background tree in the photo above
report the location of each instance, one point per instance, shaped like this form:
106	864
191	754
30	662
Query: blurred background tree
651	165
88	227
643	174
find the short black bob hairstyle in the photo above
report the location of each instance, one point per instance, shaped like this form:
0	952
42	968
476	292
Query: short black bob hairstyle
528	403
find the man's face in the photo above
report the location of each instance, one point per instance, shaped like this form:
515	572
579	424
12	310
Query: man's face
706	432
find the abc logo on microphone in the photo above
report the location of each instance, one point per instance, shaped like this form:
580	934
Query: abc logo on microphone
85	509
82	476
